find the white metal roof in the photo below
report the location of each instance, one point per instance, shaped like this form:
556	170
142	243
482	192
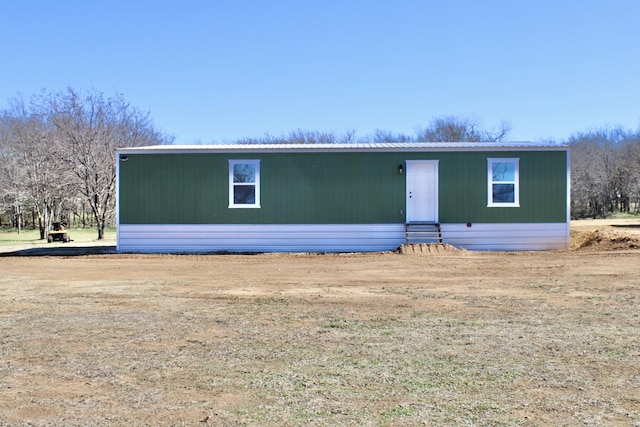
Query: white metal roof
347	147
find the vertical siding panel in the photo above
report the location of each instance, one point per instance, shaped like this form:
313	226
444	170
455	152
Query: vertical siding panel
347	188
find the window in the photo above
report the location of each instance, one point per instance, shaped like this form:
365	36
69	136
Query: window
503	182
244	183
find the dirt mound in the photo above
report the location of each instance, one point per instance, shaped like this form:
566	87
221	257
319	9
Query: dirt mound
429	249
603	240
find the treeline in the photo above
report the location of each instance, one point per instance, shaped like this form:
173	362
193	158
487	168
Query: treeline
441	129
605	172
57	157
605	163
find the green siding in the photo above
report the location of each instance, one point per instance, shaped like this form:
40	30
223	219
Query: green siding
332	188
543	188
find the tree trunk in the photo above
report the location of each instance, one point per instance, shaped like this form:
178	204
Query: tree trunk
18	218
42	229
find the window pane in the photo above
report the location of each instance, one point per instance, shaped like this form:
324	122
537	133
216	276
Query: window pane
244	172
244	194
504	171
504	193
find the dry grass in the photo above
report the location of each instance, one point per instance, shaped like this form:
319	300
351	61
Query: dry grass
300	340
107	358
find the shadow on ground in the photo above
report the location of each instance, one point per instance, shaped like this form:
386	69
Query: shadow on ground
62	251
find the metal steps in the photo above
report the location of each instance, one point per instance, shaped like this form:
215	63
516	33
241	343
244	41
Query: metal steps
423	232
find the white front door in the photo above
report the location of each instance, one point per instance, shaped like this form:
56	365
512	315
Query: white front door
422	191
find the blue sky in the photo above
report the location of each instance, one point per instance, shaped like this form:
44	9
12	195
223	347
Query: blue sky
218	71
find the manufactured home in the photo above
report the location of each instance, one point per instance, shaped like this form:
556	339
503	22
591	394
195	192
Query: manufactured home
342	197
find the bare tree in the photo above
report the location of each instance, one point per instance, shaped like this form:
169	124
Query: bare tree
58	151
604	171
457	129
34	168
388	136
629	172
12	194
301	136
443	129
14	197
92	127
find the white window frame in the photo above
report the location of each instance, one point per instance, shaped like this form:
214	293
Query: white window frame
515	183
256	184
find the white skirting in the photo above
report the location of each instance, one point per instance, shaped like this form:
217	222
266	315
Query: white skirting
332	237
507	237
260	238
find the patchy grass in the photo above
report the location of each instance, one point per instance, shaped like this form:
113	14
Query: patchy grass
486	339
31	238
115	353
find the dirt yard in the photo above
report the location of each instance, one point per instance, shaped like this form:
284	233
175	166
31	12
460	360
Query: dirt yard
433	336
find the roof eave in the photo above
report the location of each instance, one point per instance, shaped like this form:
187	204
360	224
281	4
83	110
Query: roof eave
354	147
